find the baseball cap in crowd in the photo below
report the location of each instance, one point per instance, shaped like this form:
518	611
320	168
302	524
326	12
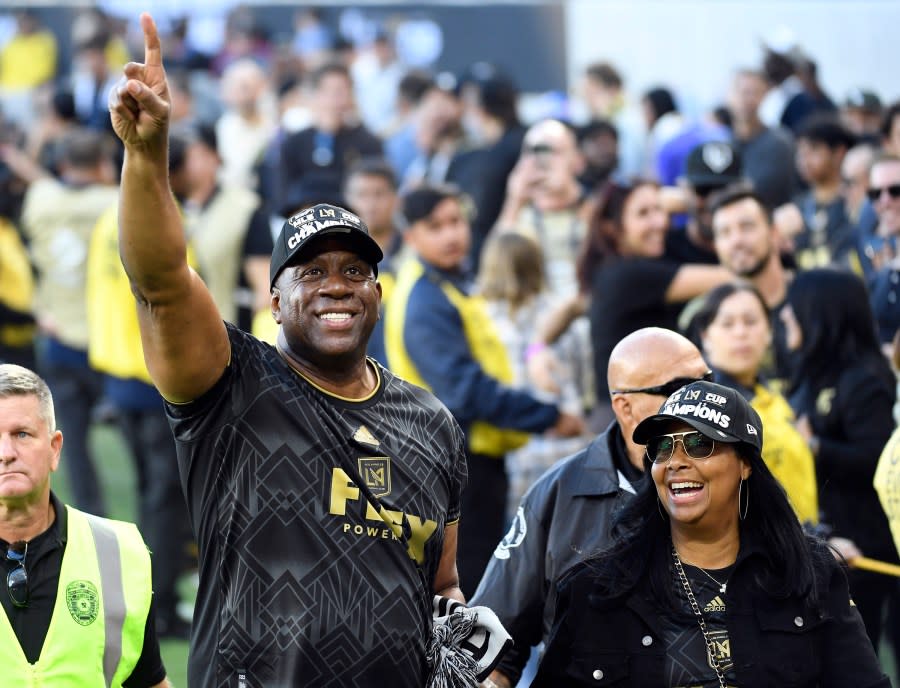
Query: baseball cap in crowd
713	165
863	100
717	411
420	202
319	220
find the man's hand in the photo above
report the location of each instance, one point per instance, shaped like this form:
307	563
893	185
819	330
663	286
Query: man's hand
846	548
139	104
496	680
568	425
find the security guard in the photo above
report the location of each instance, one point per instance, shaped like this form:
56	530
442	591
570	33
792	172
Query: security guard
78	595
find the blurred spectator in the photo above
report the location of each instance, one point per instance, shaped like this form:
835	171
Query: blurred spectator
788	102
244	38
490	114
439	336
598	141
312	38
512	281
843	391
58	218
439	133
248	123
227	229
890	130
827	236
54	118
28	59
808	71
376	77
603	91
115	351
672	136
767	154
400	140
92	77
371	192
855	178
746	241
862	114
734	330
630	283
881	249
710	167
183	114
545	200
17	327
328	147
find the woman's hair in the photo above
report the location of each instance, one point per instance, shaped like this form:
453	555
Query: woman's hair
833	310
642	543
712	302
511	270
605	229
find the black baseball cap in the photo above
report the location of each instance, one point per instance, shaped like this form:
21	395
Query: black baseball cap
714	163
317	221
717	411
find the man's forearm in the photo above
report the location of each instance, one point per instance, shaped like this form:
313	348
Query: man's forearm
151	237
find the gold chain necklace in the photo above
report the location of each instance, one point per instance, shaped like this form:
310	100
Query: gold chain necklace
710	646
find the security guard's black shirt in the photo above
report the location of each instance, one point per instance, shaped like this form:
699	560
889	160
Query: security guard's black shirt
43	562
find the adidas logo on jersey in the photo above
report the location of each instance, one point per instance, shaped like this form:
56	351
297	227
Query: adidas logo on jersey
715	605
363	436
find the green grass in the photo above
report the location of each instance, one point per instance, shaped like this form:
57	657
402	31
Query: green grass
117	474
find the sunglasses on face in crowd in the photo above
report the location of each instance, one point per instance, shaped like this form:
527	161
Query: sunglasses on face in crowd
17	579
875	193
706	190
696	445
666	389
539	149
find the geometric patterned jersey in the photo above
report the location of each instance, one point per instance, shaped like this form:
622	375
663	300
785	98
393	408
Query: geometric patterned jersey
320	524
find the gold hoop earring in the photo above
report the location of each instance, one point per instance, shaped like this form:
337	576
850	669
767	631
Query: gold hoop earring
743	506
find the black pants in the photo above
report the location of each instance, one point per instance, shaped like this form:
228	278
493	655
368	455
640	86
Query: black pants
75	392
162	511
482	519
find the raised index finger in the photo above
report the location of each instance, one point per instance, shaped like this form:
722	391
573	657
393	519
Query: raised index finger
152	51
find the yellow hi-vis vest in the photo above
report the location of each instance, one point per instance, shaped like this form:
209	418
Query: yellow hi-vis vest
786	453
96	632
482	338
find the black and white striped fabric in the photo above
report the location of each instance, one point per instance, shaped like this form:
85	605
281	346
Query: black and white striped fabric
466	644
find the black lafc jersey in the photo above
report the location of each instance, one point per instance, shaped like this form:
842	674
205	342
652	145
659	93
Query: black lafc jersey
303	582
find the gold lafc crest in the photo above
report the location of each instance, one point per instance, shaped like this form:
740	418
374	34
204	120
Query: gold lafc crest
376	472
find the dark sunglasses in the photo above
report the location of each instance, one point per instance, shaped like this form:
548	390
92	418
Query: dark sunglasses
17	579
875	193
696	445
539	149
667	389
706	190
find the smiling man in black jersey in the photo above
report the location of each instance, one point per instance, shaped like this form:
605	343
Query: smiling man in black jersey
323	490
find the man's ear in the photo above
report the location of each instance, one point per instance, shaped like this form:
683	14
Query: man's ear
275	304
621	407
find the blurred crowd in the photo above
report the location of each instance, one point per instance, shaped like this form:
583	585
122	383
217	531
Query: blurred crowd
765	230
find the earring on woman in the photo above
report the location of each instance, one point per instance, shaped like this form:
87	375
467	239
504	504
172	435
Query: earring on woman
659	508
743	505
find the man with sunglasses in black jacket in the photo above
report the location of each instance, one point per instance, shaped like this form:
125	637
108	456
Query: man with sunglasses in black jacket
566	516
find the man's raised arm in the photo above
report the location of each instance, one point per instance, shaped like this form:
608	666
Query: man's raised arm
185	344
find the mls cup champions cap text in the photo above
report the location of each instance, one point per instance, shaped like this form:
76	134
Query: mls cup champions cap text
319	220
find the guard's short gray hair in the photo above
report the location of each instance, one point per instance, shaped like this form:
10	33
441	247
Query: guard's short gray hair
18	381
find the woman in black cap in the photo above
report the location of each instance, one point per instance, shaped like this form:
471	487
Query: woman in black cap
711	580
